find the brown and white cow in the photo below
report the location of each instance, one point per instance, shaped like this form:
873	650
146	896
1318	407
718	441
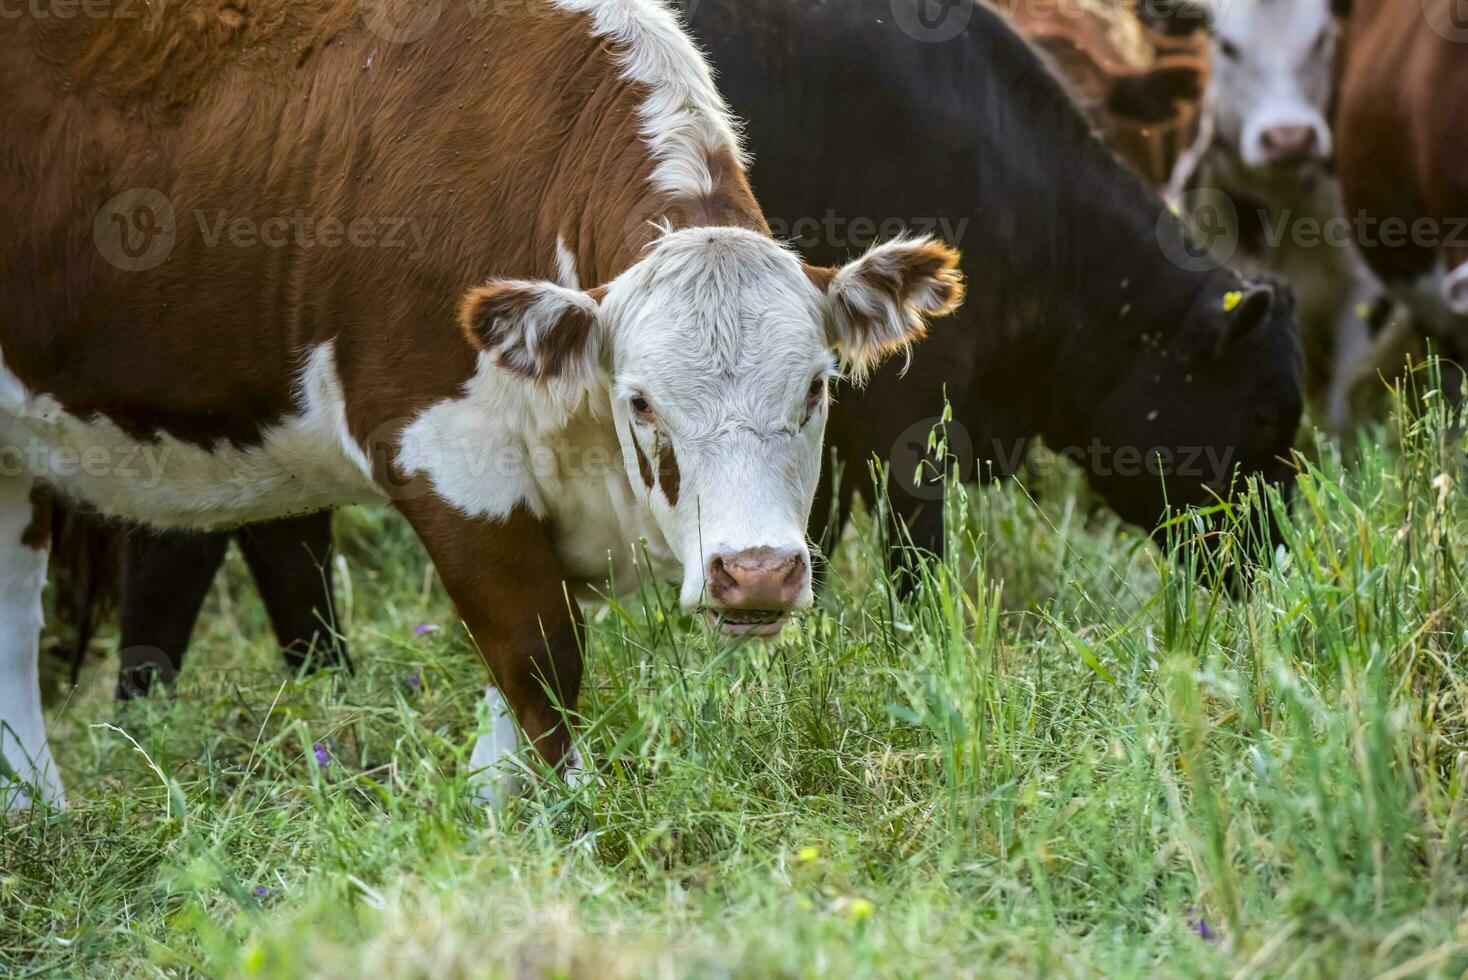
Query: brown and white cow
1402	142
204	320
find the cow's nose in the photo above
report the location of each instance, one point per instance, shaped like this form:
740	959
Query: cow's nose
757	578
1289	144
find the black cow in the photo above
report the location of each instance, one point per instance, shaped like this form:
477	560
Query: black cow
165	576
1092	321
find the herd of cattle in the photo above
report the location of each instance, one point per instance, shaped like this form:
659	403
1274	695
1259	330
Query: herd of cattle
611	348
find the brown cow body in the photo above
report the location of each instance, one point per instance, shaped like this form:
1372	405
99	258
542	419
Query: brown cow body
237	244
1402	152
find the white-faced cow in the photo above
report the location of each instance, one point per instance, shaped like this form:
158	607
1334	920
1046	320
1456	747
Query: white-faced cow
204	320
1263	162
1402	127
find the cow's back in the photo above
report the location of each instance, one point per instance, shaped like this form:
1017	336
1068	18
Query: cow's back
193	204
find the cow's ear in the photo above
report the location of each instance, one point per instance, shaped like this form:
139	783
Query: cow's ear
1245	311
537	330
880	303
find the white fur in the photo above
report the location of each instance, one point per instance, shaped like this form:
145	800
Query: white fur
721	329
1455	290
306	463
884	325
566	274
1282	75
494	778
684	118
22	727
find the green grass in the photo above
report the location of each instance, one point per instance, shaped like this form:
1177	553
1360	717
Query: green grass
1059	757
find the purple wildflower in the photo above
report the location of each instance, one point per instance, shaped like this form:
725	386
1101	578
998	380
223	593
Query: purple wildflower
323	757
424	629
1198	924
415	680
262	891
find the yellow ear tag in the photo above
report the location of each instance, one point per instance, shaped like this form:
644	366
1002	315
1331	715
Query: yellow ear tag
1231	300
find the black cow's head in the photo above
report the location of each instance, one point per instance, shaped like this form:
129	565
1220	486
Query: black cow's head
1197	409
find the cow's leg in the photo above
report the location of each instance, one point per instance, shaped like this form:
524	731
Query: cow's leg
165	577
505	580
24	540
290	561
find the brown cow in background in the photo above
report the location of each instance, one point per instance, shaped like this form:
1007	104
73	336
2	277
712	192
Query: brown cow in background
1402	153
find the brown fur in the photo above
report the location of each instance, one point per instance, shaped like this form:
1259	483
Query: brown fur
644	468
668	476
490	316
1402	127
497	132
1143	90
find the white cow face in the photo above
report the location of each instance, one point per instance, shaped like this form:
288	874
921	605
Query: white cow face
1272	65
716	350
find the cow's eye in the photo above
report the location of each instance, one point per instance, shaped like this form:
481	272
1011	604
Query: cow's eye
1230	50
641	407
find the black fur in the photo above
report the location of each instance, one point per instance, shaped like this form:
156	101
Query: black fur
1078	328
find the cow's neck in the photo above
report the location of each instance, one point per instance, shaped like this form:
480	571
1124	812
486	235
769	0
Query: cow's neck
606	225
1064	255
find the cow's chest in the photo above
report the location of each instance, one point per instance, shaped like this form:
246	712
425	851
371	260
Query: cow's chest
601	531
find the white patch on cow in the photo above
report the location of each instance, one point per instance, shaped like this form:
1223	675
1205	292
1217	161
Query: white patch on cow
22	727
308	462
495	779
1455	290
1272	67
566	266
684	118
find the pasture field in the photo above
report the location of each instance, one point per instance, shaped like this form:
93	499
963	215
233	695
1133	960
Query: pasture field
1063	755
